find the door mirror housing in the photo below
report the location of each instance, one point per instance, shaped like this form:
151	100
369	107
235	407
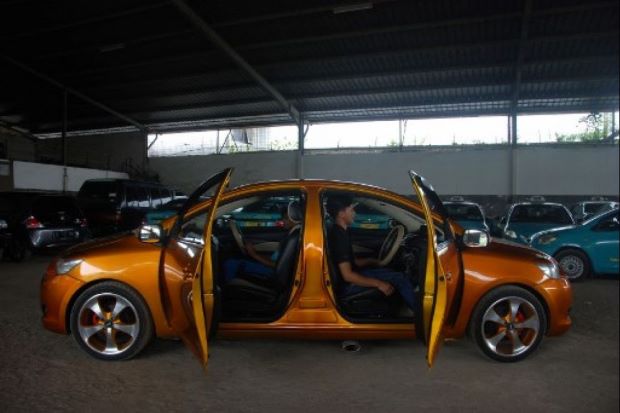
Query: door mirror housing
474	238
150	234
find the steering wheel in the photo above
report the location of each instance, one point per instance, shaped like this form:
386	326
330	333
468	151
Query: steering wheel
390	245
237	235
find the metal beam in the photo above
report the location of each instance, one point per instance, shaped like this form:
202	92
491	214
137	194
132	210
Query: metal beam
215	38
73	92
19	131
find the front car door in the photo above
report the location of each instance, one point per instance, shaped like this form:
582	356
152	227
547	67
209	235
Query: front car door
186	274
604	249
435	296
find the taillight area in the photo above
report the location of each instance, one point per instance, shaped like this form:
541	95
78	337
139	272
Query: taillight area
33	223
82	222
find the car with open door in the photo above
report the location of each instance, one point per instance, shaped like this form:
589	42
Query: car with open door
197	277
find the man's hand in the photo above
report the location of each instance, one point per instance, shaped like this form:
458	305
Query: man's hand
385	287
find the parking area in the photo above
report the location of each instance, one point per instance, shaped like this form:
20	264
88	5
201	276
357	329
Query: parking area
41	370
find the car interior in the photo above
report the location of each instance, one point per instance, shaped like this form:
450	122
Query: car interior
400	247
249	290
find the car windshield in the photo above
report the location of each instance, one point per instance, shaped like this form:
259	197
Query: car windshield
175	204
49	206
597	216
543	213
464	212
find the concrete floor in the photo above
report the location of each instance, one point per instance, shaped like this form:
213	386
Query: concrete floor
40	370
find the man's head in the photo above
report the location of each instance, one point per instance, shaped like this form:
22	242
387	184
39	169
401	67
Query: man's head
342	209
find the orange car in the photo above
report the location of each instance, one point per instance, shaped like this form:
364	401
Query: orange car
114	294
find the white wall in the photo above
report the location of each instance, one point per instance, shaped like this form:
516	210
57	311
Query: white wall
30	175
545	170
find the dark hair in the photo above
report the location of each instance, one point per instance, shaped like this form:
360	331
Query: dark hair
337	203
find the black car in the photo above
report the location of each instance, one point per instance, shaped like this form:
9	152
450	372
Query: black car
37	221
114	205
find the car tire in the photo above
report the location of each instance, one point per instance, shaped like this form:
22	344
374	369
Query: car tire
508	324
111	321
574	264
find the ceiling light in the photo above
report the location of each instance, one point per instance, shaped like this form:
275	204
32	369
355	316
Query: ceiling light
348	8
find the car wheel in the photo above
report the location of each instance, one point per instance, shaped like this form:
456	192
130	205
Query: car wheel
508	324
574	264
111	321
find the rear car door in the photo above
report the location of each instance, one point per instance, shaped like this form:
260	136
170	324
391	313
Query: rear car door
186	274
442	268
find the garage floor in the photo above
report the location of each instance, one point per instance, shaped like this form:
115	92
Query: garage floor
40	370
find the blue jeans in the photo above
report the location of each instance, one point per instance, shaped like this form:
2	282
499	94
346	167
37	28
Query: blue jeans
233	267
399	281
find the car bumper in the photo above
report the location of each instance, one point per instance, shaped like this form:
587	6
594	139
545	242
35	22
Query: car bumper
56	294
558	296
57	237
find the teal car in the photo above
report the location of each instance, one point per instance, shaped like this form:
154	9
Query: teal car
166	210
584	249
527	218
469	215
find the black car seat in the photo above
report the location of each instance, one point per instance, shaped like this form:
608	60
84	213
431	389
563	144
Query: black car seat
368	303
249	294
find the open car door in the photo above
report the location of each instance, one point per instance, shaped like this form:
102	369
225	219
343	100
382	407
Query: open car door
186	275
434	292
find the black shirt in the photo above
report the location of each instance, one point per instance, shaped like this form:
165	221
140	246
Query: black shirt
340	250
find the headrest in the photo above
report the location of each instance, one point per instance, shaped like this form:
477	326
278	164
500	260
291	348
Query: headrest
294	212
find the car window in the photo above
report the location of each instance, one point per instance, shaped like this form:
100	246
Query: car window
155	197
464	212
611	223
552	214
52	205
369	218
192	230
266	212
101	191
137	196
594	207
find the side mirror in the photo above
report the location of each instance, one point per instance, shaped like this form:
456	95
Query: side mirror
151	234
475	238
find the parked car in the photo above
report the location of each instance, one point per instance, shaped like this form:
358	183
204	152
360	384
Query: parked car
114	295
527	218
267	213
469	215
114	205
37	222
590	247
587	209
164	211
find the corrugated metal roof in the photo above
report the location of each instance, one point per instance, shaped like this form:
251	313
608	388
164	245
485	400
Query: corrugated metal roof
398	58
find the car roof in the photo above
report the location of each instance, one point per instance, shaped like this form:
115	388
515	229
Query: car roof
461	203
539	203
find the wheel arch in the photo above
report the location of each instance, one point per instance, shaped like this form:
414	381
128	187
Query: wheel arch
528	288
97	282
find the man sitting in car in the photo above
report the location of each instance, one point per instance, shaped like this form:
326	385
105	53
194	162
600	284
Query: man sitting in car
352	271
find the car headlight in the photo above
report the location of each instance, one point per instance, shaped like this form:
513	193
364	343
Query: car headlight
551	269
546	239
64	266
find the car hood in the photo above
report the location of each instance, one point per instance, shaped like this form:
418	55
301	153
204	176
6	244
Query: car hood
125	241
527	229
556	230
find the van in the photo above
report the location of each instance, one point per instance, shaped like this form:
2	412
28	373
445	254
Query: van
115	205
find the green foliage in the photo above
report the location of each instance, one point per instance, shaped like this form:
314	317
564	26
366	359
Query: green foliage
596	127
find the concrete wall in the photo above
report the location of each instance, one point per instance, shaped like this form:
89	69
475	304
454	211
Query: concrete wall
583	170
15	146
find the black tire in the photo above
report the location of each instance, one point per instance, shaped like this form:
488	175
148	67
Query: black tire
135	316
530	312
574	264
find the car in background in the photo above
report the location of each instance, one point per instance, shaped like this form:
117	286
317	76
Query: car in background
584	249
587	209
469	215
116	205
39	221
164	211
527	218
261	214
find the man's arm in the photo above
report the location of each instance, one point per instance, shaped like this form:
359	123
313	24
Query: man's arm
356	278
252	253
366	262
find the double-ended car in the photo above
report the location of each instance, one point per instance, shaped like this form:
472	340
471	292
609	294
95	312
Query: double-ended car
115	294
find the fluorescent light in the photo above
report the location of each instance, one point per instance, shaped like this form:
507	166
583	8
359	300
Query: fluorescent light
353	7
